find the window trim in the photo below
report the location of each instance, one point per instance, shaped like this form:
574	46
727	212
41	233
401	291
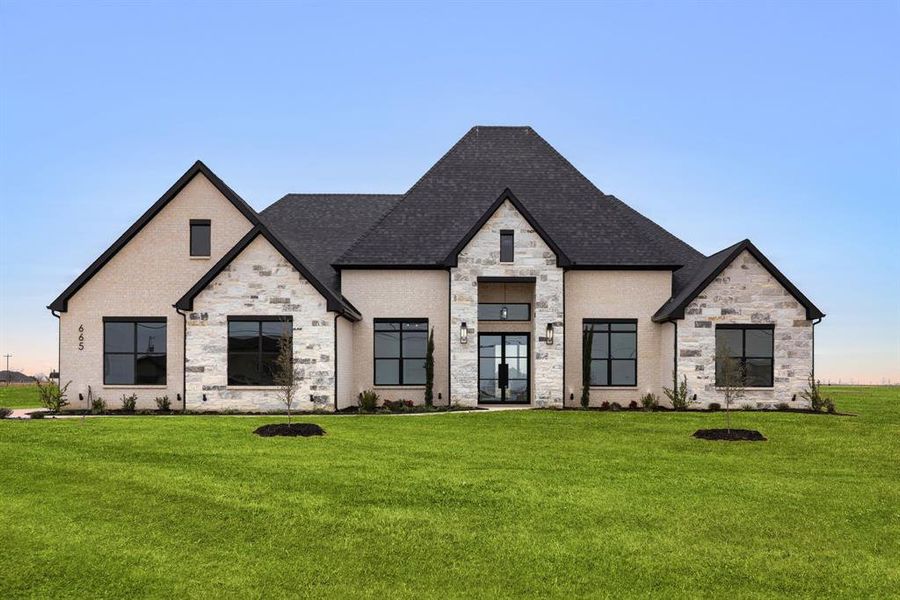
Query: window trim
528	304
399	358
512	236
259	352
609	360
743	358
135	321
193	222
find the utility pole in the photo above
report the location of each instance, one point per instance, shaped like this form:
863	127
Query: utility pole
7	368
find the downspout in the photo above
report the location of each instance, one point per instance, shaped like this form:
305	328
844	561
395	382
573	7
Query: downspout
183	359
336	317
449	332
675	356
814	323
58	346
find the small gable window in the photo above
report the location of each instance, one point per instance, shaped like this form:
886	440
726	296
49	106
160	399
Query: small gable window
507	246
200	237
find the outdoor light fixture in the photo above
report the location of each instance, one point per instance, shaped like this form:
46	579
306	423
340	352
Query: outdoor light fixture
504	312
463	333
549	334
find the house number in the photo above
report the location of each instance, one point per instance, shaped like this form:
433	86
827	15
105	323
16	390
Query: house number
81	337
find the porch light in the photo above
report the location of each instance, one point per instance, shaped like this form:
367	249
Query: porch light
463	333
549	334
504	312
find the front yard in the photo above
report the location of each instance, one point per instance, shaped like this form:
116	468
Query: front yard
534	503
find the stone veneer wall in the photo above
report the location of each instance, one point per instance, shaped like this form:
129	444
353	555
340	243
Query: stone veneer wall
533	258
260	282
745	293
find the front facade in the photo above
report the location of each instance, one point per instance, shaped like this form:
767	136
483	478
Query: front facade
532	282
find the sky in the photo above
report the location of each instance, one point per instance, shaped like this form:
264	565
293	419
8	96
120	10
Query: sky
778	122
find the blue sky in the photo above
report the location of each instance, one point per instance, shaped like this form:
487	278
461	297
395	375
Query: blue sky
774	121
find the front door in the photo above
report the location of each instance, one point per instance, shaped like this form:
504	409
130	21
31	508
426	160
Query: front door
503	368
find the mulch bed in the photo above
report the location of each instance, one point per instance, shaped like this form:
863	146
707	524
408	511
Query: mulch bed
292	430
730	435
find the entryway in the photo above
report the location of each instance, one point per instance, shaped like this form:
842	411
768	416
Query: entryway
504	368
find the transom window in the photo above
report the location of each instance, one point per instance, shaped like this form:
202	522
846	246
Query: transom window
752	348
253	347
498	311
200	237
613	351
507	246
134	351
400	347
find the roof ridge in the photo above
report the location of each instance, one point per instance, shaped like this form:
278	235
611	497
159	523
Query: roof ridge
377	223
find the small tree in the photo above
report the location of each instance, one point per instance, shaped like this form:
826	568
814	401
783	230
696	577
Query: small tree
730	379
429	370
813	395
52	397
678	393
287	373
587	340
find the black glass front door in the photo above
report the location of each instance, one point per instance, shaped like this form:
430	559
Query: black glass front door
503	368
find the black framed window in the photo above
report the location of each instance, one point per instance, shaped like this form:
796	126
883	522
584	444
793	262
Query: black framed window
752	347
613	345
507	245
134	351
494	311
253	347
400	346
201	230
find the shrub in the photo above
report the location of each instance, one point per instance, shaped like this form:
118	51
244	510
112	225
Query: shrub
813	395
129	402
649	401
830	408
397	405
632	405
615	406
163	404
678	395
52	397
98	406
714	406
38	415
604	405
746	407
5	412
782	406
368	401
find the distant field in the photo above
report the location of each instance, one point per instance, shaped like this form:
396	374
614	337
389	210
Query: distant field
19	396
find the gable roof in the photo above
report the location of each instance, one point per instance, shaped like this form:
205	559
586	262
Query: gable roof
320	227
61	303
334	301
590	228
507	196
710	268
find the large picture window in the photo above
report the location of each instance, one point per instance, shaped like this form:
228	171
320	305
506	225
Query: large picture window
613	345
752	347
253	347
400	346
134	351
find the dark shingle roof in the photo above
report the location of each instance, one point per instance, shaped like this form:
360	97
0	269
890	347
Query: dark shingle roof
590	227
318	228
702	273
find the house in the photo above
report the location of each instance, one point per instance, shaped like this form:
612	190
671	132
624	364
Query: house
503	249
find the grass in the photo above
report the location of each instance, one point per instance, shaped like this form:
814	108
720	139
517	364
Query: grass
19	396
538	503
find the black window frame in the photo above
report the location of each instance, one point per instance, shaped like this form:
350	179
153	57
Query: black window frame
511	235
289	319
400	357
135	353
743	357
527	304
200	223
609	360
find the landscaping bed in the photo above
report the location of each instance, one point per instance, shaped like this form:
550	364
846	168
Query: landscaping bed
289	430
730	435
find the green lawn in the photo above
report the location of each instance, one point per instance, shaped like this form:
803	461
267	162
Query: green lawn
19	396
537	503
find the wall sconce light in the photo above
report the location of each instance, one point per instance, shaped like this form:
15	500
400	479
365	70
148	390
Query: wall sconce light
204	397
463	333
549	334
504	312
